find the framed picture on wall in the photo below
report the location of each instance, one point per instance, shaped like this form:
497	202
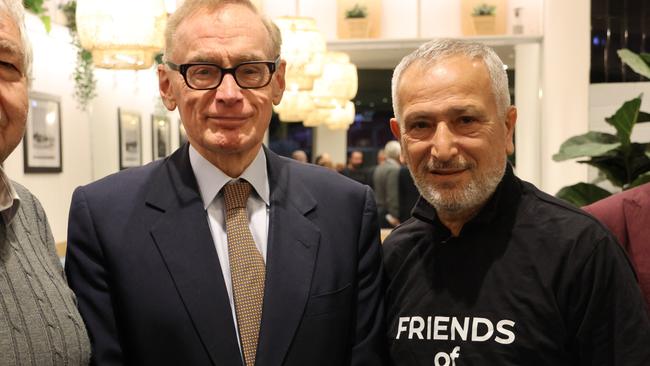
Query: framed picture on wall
42	144
161	136
130	138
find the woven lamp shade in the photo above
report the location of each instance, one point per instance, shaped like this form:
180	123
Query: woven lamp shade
337	118
338	83
302	47
122	34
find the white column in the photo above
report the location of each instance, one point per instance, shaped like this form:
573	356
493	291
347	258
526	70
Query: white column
527	99
565	83
333	142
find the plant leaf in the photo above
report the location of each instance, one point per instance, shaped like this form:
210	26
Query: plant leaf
47	22
639	64
638	161
641	179
643	117
611	166
625	118
646	57
589	144
582	194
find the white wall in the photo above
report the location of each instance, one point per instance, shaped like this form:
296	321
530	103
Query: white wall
89	139
399	18
605	99
135	91
565	84
54	60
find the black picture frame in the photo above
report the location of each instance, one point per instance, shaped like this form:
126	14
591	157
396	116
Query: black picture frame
130	138
161	136
42	144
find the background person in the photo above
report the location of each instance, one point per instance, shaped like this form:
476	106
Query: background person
354	168
300	156
386	185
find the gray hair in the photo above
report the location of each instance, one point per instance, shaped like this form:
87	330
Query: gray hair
440	49
15	10
392	150
190	7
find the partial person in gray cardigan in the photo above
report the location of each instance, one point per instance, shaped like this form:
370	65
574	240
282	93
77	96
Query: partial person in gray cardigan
39	321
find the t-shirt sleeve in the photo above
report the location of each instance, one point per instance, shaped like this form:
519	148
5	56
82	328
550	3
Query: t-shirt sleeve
605	311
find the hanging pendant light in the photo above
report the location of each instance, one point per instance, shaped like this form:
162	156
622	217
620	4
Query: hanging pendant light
340	117
303	48
333	91
295	106
338	83
122	34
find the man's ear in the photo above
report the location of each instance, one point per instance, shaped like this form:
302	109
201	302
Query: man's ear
511	121
395	129
166	88
279	83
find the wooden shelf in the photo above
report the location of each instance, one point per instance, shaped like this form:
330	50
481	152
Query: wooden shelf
386	53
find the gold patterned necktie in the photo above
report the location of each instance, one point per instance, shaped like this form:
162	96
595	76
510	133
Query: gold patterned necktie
247	268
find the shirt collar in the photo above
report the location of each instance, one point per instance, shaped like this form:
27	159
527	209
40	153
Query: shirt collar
211	179
9	200
505	196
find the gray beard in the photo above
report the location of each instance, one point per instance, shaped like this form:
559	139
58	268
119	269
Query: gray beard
457	201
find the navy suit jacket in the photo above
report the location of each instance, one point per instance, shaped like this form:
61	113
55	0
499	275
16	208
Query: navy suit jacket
143	264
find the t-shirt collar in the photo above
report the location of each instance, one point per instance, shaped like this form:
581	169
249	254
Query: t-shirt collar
506	194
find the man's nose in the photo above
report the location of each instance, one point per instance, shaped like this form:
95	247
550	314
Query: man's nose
443	144
229	92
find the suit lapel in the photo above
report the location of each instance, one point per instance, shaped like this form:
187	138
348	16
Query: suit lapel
183	238
292	249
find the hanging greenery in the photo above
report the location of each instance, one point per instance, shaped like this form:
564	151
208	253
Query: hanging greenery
85	84
36	7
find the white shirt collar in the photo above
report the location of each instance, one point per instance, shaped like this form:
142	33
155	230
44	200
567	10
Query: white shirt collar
211	179
9	200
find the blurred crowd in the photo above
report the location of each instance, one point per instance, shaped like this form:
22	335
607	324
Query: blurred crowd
395	192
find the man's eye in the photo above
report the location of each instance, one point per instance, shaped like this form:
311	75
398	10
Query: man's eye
204	71
419	125
9	72
467	119
8	65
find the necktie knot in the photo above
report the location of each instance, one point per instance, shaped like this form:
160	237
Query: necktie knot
236	194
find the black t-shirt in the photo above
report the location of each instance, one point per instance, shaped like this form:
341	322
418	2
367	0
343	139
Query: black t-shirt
529	281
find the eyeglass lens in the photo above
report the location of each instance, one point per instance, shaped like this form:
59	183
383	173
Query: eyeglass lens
251	75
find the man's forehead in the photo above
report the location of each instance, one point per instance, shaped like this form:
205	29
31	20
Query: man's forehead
9	34
200	40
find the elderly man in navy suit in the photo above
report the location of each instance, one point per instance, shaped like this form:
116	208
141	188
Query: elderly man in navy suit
225	253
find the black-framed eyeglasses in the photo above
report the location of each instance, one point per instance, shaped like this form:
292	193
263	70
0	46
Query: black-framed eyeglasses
208	76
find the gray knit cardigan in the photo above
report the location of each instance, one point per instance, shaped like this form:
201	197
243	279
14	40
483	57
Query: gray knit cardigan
39	321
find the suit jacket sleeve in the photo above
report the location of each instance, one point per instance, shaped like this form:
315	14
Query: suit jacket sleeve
369	344
88	278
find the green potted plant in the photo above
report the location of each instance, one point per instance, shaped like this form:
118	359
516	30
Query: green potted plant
624	163
85	84
36	7
357	21
484	18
